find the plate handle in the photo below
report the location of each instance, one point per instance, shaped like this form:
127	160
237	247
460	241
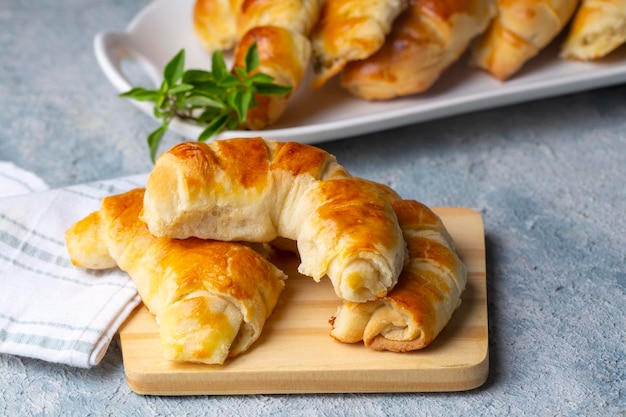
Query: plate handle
111	49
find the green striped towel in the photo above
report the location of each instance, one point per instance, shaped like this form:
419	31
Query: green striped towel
49	309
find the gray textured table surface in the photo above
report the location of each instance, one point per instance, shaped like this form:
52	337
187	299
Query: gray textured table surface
547	176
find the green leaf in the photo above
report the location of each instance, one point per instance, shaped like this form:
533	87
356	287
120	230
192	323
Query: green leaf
199	100
160	100
229	80
268	89
214	127
260	77
241	73
209	114
218	66
218	99
180	88
233	102
154	140
252	58
209	88
164	87
140	94
242	104
174	69
193	76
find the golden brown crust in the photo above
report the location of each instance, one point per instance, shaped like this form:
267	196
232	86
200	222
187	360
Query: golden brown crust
425	40
295	15
422	302
345	235
257	190
85	247
349	30
284	55
191	176
214	22
521	29
598	28
280	29
211	298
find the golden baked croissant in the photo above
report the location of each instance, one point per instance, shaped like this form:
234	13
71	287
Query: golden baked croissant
284	55
520	30
296	15
211	298
280	30
220	24
215	24
256	190
598	28
348	30
421	304
425	40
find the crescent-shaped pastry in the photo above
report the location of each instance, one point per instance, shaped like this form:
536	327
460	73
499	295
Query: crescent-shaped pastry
215	23
284	55
421	304
296	15
348	30
598	28
211	298
425	40
256	190
521	29
220	24
280	30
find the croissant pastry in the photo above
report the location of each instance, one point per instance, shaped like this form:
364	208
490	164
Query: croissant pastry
215	24
349	30
256	190
598	28
521	29
284	55
426	39
211	298
280	29
296	15
421	304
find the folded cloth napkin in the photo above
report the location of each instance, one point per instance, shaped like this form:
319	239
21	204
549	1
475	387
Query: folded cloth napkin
50	309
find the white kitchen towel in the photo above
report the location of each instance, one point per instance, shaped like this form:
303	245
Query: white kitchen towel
15	180
50	309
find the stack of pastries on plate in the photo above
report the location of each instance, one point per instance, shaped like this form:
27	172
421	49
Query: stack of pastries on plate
198	242
382	49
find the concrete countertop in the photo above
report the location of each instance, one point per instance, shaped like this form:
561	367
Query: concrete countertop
548	178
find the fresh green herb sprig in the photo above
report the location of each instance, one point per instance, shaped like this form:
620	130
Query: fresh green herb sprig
217	100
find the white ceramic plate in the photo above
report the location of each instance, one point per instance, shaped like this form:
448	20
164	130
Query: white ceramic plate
161	29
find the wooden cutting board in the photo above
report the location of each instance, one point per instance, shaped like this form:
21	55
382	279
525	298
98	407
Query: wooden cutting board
295	353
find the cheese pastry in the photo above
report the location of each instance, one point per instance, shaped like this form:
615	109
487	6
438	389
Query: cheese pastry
349	30
256	190
425	40
521	29
421	304
598	28
211	298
